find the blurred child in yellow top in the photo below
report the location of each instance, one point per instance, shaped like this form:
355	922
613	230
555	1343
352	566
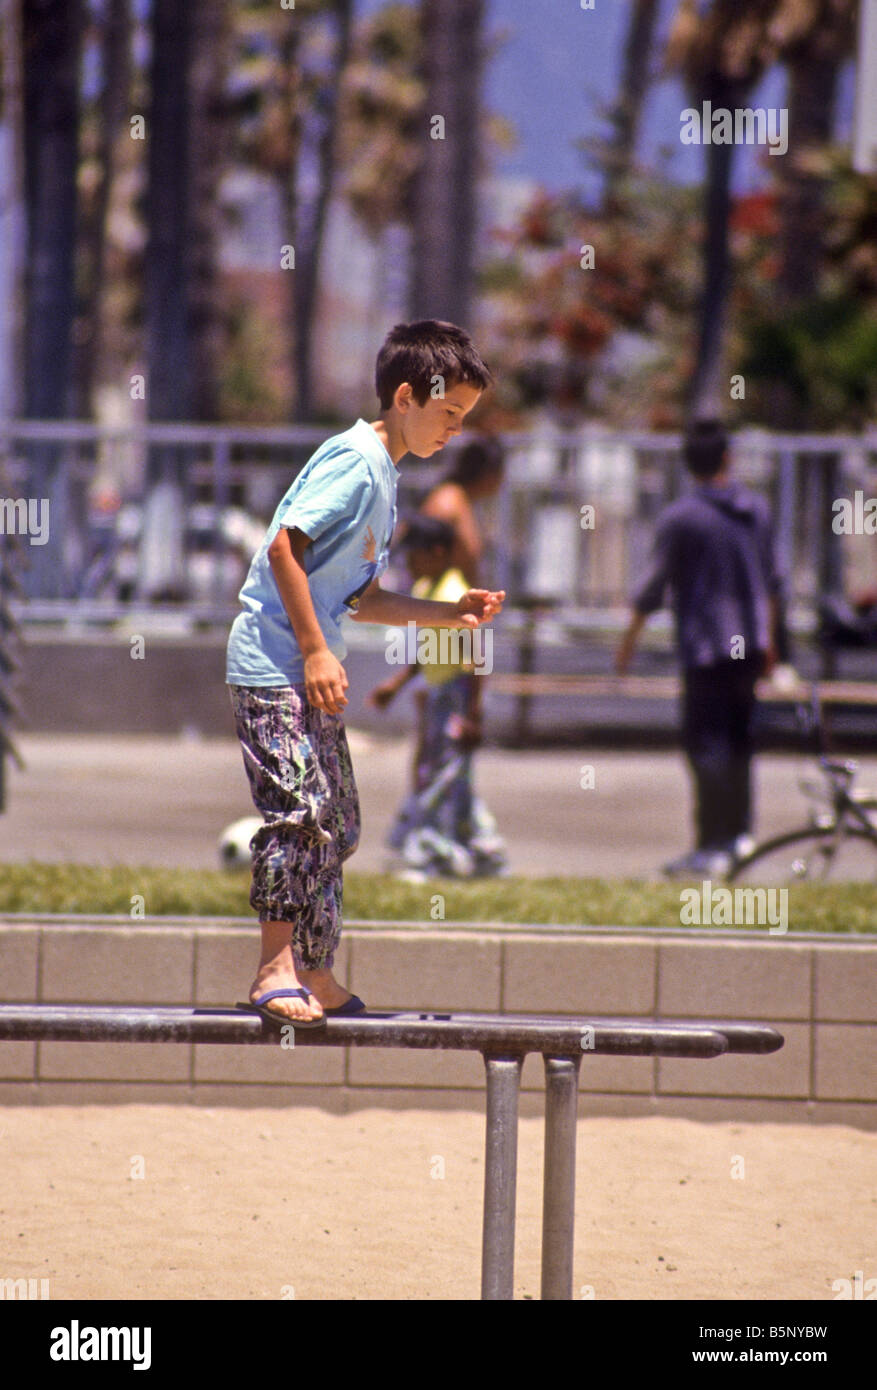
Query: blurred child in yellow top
442	829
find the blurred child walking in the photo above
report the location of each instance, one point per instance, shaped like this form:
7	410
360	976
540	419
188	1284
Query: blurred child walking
442	829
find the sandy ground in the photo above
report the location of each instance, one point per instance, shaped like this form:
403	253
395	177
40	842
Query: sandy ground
298	1203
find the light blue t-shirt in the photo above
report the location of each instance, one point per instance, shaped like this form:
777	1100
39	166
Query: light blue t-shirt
345	500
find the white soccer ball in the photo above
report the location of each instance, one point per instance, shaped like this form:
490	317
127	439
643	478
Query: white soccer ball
234	842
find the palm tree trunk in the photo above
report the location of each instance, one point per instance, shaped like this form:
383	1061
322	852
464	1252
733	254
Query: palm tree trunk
185	162
443	246
287	178
309	246
51	37
113	107
812	97
168	339
710	389
51	40
634	86
208	145
186	134
12	214
168	346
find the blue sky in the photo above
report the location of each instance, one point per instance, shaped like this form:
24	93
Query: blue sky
557	64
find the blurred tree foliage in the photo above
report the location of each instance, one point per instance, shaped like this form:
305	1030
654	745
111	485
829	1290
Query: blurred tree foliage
687	286
445	212
594	313
618	340
810	360
286	82
104	118
385	154
721	49
383	103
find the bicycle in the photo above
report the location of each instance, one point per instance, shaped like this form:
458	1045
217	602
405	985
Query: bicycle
840	840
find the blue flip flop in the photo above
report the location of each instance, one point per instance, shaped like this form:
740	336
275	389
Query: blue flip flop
353	1005
259	1006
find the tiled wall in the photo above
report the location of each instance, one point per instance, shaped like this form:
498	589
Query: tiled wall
820	992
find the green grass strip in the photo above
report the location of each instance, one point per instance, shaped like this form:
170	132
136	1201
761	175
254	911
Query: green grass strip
76	888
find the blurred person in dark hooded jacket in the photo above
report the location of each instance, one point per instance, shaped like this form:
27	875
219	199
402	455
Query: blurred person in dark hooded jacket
715	553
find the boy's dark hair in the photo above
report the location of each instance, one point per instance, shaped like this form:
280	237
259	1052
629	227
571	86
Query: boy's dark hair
477	459
428	533
418	352
705	448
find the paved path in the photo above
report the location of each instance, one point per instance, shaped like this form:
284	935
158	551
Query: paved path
164	801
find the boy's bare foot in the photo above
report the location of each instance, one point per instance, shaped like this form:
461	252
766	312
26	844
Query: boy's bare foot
327	989
295	1009
277	971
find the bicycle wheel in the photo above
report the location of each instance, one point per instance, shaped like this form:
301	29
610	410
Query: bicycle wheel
810	856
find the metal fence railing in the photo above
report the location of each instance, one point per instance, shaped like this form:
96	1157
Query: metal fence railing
170	515
11	557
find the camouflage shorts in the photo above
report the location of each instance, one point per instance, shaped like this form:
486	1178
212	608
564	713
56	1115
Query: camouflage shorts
301	779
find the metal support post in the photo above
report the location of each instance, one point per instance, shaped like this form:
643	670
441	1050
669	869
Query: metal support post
500	1177
559	1191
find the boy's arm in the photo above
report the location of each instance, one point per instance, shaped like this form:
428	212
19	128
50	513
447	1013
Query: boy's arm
476	606
325	677
628	642
650	595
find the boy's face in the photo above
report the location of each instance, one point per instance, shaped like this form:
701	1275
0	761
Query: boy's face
427	428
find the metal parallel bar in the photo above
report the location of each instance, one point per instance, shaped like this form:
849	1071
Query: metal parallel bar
753	1038
502	1034
503	1041
500	1177
741	1037
559	1182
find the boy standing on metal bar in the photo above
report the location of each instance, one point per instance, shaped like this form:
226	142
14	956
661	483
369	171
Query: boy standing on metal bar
322	558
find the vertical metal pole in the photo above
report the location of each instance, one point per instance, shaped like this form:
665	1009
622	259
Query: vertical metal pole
221	460
787	542
558	1200
830	558
526	656
500	1176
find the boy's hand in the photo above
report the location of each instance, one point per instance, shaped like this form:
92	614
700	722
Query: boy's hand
325	681
478	606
